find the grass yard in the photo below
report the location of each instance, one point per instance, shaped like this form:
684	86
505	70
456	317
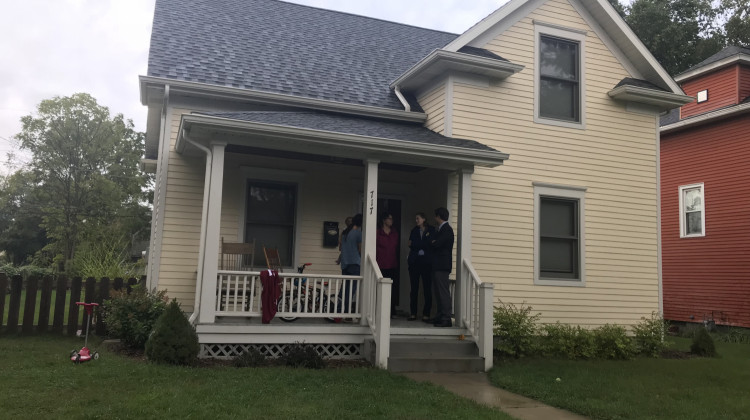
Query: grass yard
36	311
638	389
39	381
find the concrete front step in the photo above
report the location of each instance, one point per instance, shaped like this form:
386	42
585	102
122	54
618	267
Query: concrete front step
432	348
434	355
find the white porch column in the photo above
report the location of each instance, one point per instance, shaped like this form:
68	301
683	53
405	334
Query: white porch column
207	312
463	288
370	217
369	227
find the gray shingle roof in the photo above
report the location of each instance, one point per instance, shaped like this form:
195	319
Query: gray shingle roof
671	117
481	52
279	47
629	81
352	125
726	52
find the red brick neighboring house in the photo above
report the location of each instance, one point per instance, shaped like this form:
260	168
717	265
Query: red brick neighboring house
705	194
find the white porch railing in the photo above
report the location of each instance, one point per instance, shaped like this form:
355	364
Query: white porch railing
377	292
478	317
238	294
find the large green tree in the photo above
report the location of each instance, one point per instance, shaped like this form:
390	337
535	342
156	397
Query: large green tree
21	234
680	33
736	14
85	169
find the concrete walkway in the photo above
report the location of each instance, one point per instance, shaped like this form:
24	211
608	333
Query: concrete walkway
477	387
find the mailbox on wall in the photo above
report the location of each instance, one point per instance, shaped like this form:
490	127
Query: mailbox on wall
331	234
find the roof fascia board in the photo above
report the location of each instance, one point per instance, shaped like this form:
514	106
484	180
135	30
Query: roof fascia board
663	100
615	23
465	62
330	138
223	92
691	74
638	44
707	117
606	39
494	24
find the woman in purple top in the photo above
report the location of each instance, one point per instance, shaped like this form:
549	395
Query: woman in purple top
386	255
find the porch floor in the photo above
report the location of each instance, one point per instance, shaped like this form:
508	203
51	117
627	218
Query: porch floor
399	326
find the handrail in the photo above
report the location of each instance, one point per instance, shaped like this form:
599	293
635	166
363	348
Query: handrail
479	316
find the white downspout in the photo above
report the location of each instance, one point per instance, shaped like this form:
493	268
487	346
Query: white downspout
204	223
403	100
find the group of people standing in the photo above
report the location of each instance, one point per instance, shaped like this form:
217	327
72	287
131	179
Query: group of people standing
430	259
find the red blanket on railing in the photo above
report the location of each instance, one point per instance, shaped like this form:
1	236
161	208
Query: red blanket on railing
269	297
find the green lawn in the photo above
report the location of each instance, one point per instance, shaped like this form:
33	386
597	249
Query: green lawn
39	381
638	389
36	313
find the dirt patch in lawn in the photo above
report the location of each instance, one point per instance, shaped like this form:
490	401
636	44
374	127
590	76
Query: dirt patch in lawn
677	354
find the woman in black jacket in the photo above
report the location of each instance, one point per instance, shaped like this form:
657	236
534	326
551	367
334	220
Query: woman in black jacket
420	265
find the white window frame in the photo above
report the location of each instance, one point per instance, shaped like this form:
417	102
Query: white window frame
568	34
683	225
565	192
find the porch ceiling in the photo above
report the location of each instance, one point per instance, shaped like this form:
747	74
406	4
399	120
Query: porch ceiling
337	136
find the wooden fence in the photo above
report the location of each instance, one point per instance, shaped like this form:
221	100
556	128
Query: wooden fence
39	306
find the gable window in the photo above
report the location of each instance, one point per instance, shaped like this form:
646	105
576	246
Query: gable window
559	76
558	242
692	211
270	217
559	86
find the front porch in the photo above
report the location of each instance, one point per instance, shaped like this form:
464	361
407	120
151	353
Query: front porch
228	307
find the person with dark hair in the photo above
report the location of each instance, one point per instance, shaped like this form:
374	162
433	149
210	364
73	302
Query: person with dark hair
351	260
420	265
348	223
386	255
442	265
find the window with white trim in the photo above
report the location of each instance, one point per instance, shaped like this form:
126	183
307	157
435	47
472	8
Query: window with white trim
692	211
270	218
559	76
558	241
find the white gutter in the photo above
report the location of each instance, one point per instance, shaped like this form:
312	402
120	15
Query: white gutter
232	93
391	147
707	117
204	225
401	98
663	100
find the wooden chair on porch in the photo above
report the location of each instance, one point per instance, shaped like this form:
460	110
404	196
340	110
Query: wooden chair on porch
237	256
273	260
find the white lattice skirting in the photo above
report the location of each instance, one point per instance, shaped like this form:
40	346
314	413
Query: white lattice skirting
327	351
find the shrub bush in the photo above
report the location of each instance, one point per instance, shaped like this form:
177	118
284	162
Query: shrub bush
252	357
516	329
567	341
612	342
131	317
734	336
301	355
703	344
649	335
174	340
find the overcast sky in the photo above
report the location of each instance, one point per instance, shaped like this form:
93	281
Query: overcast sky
60	47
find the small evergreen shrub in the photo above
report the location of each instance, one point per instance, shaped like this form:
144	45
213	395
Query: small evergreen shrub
252	357
174	340
649	335
516	329
567	341
612	342
131	317
703	344
301	355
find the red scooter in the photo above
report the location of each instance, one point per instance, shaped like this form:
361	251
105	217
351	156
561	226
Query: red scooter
85	355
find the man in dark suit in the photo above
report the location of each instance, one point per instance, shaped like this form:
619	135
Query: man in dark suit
442	264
